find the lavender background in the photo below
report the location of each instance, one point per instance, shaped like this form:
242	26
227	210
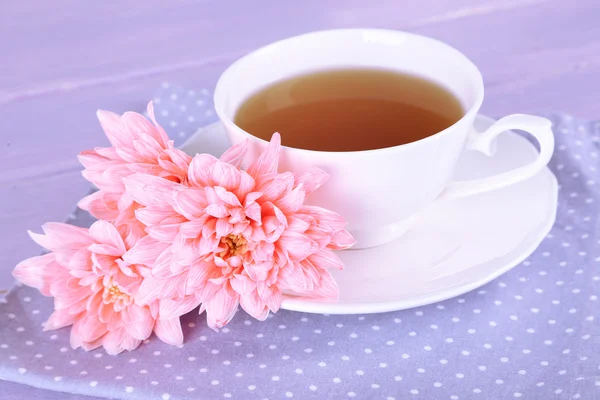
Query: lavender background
63	59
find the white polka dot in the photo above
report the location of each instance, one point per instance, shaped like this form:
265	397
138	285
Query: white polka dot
251	387
382	365
427	348
368	351
405	356
312	387
460	376
360	372
375	386
504	359
482	367
442	361
397	378
499	381
336	380
129	389
437	384
22	370
517	394
522	372
414	391
476	390
298	371
93	383
420	370
289	394
57	378
351	394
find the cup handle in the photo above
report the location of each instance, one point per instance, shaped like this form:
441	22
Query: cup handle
538	127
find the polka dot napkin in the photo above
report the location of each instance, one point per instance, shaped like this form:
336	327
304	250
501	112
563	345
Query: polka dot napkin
533	333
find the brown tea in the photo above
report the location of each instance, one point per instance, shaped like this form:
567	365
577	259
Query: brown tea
349	109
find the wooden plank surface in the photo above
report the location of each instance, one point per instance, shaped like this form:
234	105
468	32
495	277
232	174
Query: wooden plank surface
63	59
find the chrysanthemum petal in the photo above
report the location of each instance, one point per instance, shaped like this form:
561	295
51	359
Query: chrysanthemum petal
235	154
268	160
169	331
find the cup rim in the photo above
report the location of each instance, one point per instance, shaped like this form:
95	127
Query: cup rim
470	113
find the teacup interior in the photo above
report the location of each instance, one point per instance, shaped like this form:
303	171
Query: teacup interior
353	48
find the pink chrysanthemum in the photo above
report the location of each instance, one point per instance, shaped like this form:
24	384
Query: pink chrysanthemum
237	237
94	288
138	146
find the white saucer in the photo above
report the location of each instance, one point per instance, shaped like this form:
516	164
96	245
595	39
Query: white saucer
452	248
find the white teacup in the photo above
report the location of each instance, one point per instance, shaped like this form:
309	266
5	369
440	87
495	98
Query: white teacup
377	191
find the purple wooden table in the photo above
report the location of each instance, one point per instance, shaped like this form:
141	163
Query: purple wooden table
62	60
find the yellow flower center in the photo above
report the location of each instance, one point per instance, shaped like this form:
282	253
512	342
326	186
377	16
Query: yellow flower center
112	294
236	245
